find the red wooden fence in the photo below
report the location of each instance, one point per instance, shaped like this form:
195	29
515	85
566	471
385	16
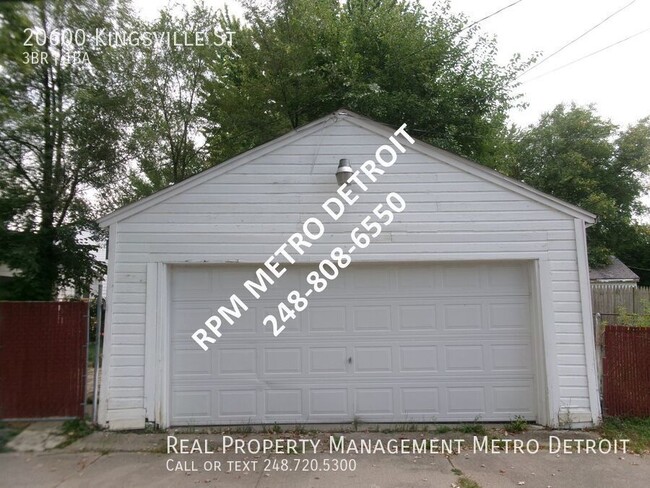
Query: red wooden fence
42	359
626	371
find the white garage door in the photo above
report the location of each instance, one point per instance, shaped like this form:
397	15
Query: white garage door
384	342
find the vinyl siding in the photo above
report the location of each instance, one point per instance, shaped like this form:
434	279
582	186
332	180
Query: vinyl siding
245	214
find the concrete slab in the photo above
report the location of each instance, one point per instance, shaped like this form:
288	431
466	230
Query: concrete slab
110	459
546	470
126	469
40	470
38	437
104	442
71	470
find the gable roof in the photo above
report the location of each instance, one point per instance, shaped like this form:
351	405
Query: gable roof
458	162
616	270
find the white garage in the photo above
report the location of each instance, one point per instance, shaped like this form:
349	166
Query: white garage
471	302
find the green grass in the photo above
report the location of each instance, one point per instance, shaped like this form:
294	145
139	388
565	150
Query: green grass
467	483
75	429
473	428
91	354
635	429
517	424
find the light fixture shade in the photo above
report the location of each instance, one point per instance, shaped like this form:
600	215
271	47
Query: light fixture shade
343	172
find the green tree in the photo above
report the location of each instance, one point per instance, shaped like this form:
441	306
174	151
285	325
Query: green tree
634	251
297	60
633	154
58	139
582	158
165	81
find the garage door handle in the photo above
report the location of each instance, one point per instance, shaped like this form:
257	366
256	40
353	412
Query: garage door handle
350	360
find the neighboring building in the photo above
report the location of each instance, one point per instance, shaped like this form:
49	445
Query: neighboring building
65	292
70	292
6	276
615	273
472	303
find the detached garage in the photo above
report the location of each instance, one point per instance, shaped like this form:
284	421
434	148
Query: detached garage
470	300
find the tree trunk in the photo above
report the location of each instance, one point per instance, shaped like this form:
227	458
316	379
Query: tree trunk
47	264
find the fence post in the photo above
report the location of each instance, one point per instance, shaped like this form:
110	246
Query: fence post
87	346
98	348
599	355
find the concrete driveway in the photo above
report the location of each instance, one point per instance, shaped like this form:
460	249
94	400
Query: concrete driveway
140	460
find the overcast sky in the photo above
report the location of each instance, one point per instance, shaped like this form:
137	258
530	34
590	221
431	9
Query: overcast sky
617	80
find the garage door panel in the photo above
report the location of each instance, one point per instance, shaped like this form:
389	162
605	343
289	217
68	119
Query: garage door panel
282	286
370	280
463	358
191	362
466	400
186	315
421	358
326	319
371	317
463	316
249	324
511	357
192	405
283	360
372	359
420	401
508	316
513	399
389	342
237	361
507	276
293	327
370	402
283	402
463	278
191	282
238	403
416	317
411	277
328	360
328	402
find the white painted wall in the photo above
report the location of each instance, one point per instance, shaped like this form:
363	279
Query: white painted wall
244	214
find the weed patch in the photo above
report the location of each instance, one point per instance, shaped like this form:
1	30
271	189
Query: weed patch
635	429
517	424
75	429
465	482
473	428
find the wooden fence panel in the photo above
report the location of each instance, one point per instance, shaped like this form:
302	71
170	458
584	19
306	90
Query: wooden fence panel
606	299
626	371
42	359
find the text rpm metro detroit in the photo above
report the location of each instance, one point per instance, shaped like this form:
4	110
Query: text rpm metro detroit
312	229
